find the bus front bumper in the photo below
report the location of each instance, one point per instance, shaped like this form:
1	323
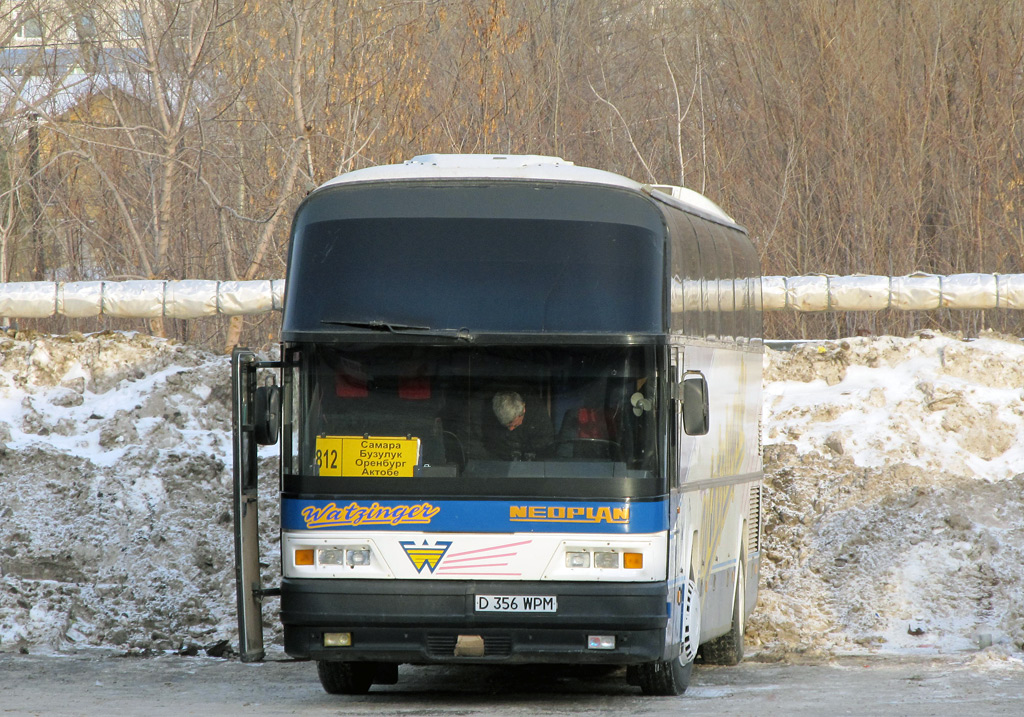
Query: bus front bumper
430	622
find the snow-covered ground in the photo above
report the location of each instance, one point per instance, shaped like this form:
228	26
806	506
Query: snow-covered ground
894	476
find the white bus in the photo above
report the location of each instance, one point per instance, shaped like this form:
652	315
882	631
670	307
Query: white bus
519	403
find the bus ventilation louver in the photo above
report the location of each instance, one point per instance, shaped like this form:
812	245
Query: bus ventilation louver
754	520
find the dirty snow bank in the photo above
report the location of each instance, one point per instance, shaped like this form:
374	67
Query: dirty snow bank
115	525
894	474
893	479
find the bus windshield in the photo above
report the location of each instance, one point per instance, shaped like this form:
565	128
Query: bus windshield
422	419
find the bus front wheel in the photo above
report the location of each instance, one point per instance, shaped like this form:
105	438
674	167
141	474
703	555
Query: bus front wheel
354	678
668	678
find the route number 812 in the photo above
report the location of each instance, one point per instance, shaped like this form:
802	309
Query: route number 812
327	458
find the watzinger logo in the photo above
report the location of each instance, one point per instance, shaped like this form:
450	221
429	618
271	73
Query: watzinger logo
425	556
354	515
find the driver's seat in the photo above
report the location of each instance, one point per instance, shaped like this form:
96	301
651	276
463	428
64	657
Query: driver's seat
584	434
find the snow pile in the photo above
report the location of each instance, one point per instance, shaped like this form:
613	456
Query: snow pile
894	473
894	478
115	485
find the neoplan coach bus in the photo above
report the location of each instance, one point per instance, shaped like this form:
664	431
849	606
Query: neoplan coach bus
519	413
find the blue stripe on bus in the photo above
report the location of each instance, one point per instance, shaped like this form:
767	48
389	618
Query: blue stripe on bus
475	516
724	565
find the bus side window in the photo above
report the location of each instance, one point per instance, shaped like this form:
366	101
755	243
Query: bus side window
748	267
685	278
730	325
710	273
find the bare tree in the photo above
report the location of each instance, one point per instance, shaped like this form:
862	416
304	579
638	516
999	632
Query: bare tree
848	137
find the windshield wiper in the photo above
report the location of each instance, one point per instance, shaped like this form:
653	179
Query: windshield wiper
377	325
393	328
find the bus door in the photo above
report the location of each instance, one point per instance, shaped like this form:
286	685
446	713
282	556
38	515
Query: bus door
688	420
255	412
678	589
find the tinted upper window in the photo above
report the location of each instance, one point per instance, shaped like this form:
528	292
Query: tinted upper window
587	273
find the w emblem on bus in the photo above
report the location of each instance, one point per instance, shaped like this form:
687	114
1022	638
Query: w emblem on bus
424	556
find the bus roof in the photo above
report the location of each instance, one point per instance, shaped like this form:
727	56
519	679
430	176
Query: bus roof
525	167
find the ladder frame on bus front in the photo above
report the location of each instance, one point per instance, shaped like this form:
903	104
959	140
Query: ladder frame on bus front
249	589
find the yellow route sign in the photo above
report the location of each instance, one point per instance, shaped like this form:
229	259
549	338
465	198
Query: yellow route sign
376	456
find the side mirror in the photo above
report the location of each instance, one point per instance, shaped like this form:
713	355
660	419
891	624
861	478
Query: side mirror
267	414
695	406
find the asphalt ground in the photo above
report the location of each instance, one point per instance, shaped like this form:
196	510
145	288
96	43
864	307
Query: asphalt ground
93	684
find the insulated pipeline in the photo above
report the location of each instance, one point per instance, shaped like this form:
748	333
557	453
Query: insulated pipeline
191	299
916	292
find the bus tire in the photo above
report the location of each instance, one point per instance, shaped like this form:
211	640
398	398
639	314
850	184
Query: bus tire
345	678
664	678
728	649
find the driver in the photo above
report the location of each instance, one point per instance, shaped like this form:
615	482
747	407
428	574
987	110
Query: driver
521	429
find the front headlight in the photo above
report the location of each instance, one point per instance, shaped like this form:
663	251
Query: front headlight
358	556
330	556
577	559
352	556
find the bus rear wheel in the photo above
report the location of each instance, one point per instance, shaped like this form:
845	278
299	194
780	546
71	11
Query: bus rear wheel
668	678
354	678
728	649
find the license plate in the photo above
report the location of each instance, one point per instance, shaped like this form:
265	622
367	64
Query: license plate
516	603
